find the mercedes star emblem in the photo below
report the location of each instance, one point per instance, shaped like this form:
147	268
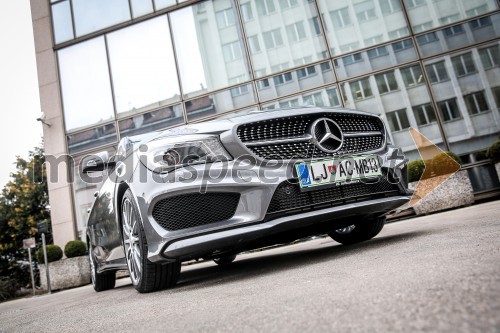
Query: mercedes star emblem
327	135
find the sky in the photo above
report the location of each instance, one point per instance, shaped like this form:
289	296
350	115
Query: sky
19	97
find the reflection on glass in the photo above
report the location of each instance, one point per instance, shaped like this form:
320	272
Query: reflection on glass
326	97
152	121
232	99
141	7
425	15
208	57
459	35
294	81
92	138
63	26
143	66
93	15
160	4
465	99
284	35
85	84
375	59
351	26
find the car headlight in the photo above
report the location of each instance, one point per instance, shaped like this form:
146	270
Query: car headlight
166	154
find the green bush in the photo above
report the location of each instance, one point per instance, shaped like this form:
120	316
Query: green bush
442	165
54	253
415	170
493	152
8	288
75	248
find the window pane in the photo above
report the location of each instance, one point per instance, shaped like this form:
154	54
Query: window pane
61	17
425	15
207	57
152	121
354	26
160	4
85	84
143	66
288	36
141	7
92	138
93	15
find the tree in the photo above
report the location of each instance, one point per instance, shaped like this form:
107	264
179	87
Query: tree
23	203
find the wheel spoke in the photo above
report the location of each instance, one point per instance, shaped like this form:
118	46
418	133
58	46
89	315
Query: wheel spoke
131	240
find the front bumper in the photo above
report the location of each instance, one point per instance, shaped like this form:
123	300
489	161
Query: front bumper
250	221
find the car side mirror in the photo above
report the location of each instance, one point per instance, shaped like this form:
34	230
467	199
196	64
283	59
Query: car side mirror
97	162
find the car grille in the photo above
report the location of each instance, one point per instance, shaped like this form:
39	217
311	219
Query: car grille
289	137
288	197
194	210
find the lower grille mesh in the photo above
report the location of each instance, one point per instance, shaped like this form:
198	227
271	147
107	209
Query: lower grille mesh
195	209
288	197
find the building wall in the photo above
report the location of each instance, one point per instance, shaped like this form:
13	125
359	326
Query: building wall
109	70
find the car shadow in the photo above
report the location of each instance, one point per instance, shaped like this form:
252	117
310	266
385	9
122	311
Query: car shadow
246	268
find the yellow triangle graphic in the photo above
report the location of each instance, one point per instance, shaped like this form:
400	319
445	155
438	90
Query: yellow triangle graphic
438	166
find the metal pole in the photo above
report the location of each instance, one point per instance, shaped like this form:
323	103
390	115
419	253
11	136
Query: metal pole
31	270
46	263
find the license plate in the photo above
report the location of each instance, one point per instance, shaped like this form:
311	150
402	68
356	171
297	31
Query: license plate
334	171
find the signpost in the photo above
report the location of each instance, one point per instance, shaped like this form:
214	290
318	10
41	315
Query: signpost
46	264
29	244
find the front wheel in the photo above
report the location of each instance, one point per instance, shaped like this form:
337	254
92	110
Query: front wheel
358	232
146	276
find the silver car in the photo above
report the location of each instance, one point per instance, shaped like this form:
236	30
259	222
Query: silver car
214	189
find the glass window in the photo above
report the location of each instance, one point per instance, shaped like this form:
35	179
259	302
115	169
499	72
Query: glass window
232	51
207	57
386	82
246	11
141	7
290	103
424	114
265	7
296	31
254	44
454	30
224	101
476	103
63	26
449	109
305	72
412	76
437	72
463	64
286	35
377	52
315	99
352	58
490	56
160	4
496	94
143	66
273	38
85	84
427	38
92	138
93	15
390	6
286	4
398	120
333	97
360	24
155	120
225	18
427	14
402	45
361	89
480	22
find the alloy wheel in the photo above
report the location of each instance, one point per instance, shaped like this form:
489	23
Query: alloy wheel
131	241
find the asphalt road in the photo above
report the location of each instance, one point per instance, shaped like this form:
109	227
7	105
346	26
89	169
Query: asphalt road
439	273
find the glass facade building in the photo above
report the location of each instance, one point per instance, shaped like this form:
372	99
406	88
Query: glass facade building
127	67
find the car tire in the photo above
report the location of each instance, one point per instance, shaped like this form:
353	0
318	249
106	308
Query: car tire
146	276
224	260
100	281
358	232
